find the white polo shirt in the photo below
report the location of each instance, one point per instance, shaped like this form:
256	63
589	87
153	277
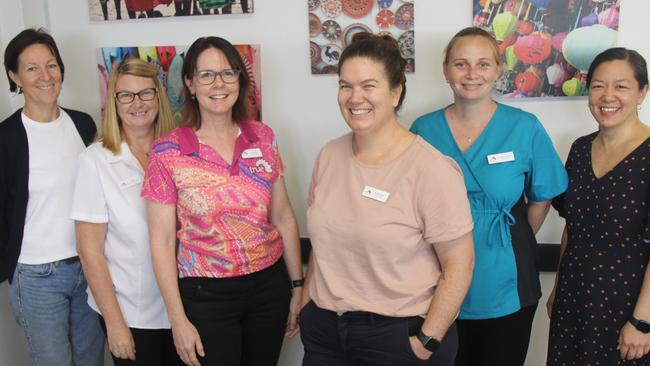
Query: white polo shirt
108	191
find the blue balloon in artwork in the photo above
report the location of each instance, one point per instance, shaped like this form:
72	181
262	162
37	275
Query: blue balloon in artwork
175	83
589	20
384	3
541	4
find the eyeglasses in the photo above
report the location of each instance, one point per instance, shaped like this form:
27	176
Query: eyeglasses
126	97
228	76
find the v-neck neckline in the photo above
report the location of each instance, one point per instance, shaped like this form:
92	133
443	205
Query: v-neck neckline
479	138
618	164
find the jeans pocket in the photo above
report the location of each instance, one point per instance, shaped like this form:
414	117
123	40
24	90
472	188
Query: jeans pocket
35	270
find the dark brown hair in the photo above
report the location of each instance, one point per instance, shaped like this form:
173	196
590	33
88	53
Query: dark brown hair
473	32
190	115
23	40
633	58
382	49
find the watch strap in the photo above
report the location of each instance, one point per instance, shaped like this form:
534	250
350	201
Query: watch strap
428	342
640	325
296	283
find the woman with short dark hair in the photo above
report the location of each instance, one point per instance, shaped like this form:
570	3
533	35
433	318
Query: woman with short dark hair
600	304
39	146
226	286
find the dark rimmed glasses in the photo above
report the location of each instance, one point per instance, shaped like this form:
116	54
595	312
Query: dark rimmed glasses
207	77
145	95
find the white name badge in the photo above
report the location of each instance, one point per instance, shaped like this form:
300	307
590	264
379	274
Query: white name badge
501	157
130	182
251	153
375	194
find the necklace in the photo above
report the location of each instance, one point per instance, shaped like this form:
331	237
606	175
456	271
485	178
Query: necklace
133	149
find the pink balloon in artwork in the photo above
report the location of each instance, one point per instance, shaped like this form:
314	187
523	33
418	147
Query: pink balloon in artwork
558	39
533	49
609	17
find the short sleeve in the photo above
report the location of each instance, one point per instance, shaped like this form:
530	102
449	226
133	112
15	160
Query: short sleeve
547	177
88	199
158	185
277	158
443	203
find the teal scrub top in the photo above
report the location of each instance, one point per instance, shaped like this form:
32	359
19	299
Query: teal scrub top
528	164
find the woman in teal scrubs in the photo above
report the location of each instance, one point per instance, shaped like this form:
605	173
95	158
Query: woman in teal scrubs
511	173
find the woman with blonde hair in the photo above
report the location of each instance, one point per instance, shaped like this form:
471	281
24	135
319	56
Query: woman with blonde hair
111	221
511	172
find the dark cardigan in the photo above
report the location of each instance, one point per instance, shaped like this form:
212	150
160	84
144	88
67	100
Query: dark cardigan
14	178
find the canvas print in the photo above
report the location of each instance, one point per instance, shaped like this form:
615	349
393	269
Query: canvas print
547	45
105	10
332	23
169	60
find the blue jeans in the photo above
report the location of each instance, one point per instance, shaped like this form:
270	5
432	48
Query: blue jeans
49	302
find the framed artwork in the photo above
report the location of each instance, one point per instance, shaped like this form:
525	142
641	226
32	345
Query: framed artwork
333	23
106	10
169	60
547	45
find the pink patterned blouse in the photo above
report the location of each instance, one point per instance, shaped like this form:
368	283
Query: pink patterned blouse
223	209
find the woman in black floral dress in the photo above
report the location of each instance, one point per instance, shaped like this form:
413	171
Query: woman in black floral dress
600	305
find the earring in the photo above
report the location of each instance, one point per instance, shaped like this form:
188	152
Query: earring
638	107
20	90
193	96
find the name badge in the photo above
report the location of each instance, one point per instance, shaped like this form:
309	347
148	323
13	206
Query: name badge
251	153
501	157
375	194
130	182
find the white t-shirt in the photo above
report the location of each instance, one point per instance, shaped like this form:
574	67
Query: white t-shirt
54	148
108	191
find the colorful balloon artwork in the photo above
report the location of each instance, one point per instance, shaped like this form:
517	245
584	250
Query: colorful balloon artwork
547	46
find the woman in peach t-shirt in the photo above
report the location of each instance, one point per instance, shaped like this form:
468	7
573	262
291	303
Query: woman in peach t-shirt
388	215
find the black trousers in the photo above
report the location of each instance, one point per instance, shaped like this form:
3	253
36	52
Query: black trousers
153	347
495	342
241	320
365	339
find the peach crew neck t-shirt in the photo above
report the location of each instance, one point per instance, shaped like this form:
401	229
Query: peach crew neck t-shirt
379	256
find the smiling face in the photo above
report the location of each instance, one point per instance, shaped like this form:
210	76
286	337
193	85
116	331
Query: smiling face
218	98
39	75
614	94
139	114
472	68
366	100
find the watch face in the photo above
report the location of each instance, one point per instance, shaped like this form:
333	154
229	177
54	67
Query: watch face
432	345
429	343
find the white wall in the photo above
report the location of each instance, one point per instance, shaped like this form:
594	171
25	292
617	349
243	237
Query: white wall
300	107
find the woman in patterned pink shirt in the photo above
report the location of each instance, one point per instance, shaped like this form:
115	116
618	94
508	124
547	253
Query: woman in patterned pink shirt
225	286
